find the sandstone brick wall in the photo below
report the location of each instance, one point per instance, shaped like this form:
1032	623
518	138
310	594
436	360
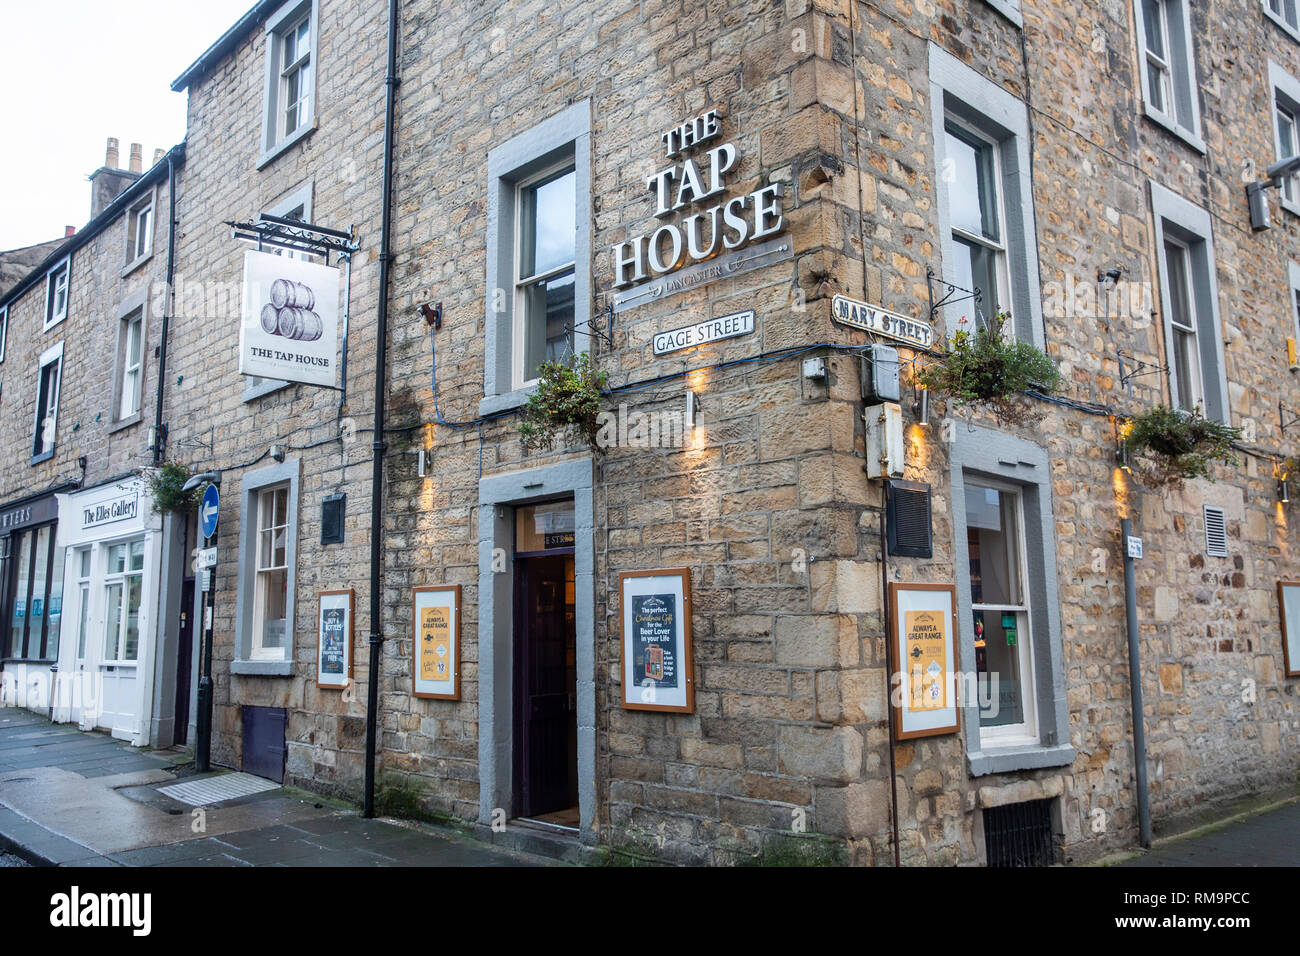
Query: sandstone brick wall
212	425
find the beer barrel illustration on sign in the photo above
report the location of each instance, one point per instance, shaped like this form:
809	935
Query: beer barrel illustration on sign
289	313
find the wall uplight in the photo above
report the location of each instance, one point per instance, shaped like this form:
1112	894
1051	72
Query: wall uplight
692	409
921	407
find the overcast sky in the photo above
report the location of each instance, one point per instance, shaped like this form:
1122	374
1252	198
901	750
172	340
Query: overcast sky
108	74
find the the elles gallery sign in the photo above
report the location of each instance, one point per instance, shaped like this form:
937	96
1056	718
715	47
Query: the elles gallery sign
729	238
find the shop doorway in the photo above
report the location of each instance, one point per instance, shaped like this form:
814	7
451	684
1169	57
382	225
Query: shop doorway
545	671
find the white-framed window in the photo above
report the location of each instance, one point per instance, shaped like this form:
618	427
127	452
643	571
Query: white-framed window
545	264
81	565
984	196
290	99
1283	13
538	253
56	293
123	595
295	204
131	364
1189	388
48	381
1189	299
268	536
4	330
1000	612
139	230
270	634
974	175
1166	64
1286	129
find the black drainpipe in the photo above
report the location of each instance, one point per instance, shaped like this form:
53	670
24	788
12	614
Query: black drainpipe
158	441
391	82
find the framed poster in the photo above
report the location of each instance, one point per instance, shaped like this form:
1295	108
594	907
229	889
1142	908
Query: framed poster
435	664
923	660
657	663
1288	601
334	639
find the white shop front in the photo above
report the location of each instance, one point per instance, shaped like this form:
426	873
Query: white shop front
108	641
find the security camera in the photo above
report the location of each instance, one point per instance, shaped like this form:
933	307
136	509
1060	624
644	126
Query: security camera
197	480
1283	169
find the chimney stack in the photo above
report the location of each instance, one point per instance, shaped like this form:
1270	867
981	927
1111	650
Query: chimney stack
111	180
158	154
69	232
110	156
136	158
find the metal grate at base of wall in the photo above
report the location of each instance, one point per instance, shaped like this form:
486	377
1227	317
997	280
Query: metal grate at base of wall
227	786
1019	834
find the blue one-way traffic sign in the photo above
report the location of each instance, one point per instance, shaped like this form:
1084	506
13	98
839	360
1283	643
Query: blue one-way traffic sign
208	511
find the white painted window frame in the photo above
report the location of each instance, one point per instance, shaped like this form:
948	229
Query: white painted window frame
135	256
123	577
4	330
1001	296
1280	16
52	355
519	314
288	474
1285	98
287	17
54	314
1180	58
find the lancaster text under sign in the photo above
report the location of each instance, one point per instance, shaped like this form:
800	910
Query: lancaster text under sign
861	315
701	333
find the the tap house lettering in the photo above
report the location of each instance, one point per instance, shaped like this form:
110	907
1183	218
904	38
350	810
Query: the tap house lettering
692	179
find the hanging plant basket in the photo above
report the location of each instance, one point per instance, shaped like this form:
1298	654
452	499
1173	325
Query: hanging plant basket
988	368
565	405
1167	446
165	483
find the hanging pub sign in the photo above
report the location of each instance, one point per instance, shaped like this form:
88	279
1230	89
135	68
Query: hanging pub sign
923	660
289	328
657	662
872	318
1288	599
334	639
435	671
730	237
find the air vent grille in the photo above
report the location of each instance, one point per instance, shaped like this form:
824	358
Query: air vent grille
1019	834
907	519
1216	533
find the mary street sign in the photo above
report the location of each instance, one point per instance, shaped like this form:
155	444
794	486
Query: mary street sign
710	330
872	318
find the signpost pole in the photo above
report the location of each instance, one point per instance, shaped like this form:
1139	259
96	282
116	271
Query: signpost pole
208	510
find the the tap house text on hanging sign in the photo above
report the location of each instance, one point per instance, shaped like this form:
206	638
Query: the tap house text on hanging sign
730	237
290	321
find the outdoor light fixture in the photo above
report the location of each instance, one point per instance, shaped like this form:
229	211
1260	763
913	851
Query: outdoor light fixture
196	480
277	452
921	407
422	464
1283	489
1258	200
692	408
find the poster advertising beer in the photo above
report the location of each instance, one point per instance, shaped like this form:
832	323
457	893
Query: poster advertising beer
289	325
1288	599
658	671
923	660
334	640
435	667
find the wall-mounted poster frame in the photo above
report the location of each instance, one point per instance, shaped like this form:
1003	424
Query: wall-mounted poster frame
656	658
923	633
334	639
1288	609
435	645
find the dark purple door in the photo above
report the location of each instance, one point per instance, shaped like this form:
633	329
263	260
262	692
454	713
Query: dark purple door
546	723
184	662
264	747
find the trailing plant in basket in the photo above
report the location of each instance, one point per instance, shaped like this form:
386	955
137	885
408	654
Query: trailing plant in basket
565	405
988	367
165	483
1168	446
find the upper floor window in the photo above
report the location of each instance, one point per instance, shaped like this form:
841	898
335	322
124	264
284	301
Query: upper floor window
56	294
290	76
1167	67
139	231
47	403
1283	13
975	210
4	331
131	343
1286	132
544	271
1188	384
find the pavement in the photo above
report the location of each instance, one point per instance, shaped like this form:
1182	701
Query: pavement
75	798
1268	838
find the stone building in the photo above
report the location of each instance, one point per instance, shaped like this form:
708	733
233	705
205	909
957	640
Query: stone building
90	575
682	191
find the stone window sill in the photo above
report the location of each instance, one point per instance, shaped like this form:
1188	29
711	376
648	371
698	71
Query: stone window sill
136	263
122	423
1186	135
267	157
262	668
1005	760
492	404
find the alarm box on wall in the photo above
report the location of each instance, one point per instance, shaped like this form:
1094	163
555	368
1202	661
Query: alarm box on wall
907	519
879	368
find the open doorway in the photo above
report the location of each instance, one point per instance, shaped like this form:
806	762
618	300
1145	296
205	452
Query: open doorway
545	666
